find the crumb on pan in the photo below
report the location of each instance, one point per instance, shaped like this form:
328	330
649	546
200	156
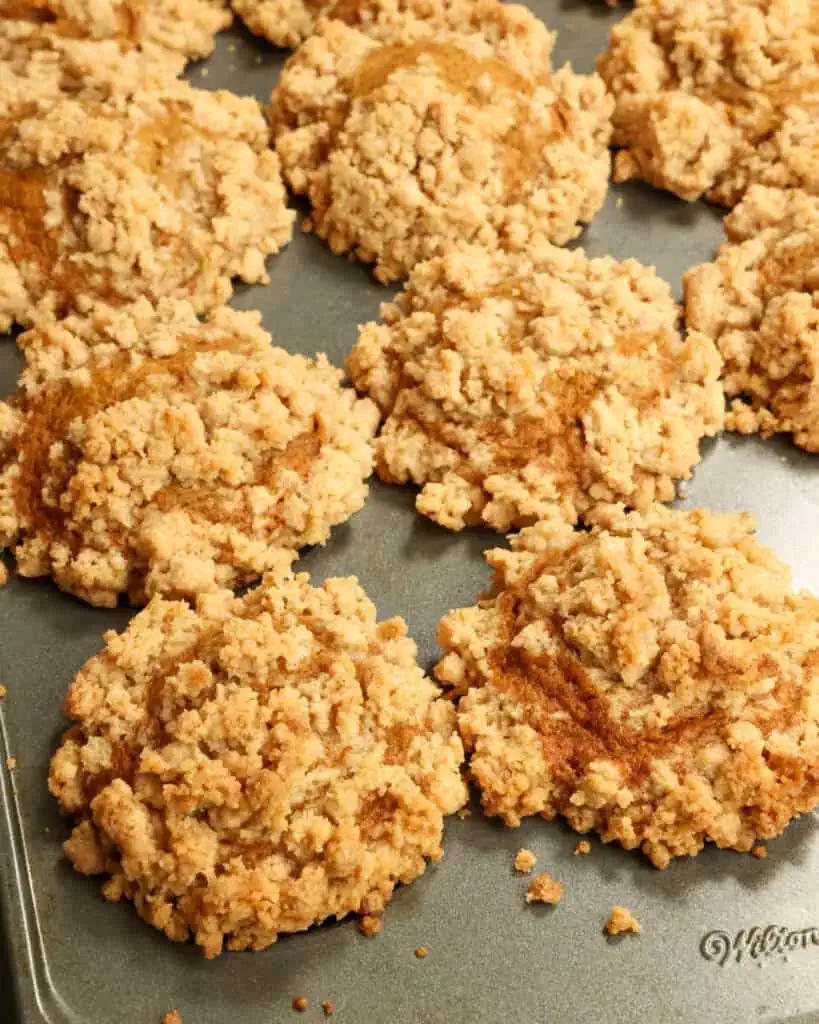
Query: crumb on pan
172	1017
544	889
300	1004
760	852
525	860
421	952
11	763
3	692
622	920
582	849
519	385
4	575
370	924
328	1008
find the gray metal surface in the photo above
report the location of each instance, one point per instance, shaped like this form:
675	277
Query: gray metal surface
491	958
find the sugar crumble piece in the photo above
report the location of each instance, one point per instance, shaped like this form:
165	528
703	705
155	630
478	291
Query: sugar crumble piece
583	848
300	1004
525	860
760	852
544	889
421	952
370	924
4	574
328	1008
172	1017
3	692
622	920
11	763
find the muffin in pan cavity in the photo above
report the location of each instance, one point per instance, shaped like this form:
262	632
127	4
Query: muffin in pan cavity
174	30
653	678
518	384
149	453
759	301
713	96
512	27
405	148
166	191
258	764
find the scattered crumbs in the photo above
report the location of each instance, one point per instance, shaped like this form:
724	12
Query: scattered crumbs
300	1004
525	860
618	202
760	852
172	1017
421	952
4	575
231	48
464	812
583	848
370	924
544	889
204	72
622	920
329	1008
3	692
11	763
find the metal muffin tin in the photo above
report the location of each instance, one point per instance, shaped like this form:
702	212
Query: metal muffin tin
726	938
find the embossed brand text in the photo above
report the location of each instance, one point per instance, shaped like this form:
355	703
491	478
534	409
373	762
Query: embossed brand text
756	943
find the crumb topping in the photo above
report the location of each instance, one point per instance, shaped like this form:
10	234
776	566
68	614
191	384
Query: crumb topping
512	28
653	678
403	149
582	849
622	920
544	889
515	384
715	95
150	453
525	860
257	764
161	28
169	191
759	302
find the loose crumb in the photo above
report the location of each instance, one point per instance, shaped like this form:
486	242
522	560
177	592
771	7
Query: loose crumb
583	848
204	72
11	763
231	47
760	852
4	575
300	1004
465	812
618	202
622	920
525	860
370	924
421	952
328	1008
544	889
3	692
172	1017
